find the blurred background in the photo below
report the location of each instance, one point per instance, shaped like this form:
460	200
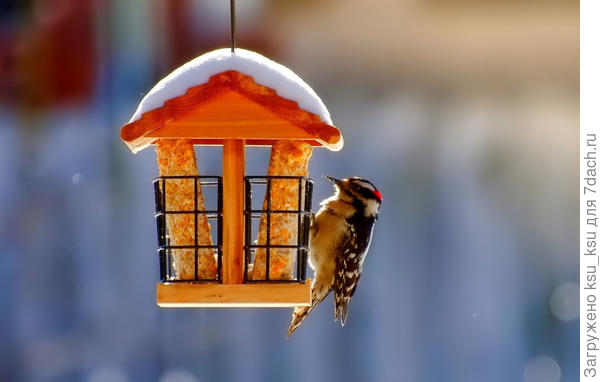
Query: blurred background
464	113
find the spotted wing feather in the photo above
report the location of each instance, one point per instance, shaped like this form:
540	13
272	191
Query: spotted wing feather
349	265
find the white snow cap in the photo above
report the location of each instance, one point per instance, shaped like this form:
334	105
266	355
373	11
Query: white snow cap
264	71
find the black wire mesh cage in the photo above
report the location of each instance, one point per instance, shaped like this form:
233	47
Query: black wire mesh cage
179	261
186	259
282	229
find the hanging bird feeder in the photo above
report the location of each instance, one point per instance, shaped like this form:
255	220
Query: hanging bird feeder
209	257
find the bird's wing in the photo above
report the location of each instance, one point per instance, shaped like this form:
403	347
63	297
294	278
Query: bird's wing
348	270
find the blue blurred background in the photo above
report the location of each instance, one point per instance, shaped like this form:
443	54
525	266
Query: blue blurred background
464	113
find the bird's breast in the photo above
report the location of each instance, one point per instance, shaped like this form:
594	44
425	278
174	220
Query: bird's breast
326	238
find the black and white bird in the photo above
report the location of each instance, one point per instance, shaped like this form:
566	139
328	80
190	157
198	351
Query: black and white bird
340	235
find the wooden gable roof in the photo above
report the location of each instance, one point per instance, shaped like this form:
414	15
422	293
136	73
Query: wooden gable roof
230	106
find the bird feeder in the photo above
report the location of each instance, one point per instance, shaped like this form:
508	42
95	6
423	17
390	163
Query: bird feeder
235	100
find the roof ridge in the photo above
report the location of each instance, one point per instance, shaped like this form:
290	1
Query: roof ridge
135	133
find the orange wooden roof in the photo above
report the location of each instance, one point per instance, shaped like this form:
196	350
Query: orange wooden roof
230	106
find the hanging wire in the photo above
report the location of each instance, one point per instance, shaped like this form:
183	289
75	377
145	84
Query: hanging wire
232	13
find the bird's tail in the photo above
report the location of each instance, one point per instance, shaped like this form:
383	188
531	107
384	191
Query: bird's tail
341	308
301	312
299	315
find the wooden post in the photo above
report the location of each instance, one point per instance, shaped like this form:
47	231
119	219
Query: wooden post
234	161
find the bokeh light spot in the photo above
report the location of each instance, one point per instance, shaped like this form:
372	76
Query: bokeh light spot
178	375
564	302
108	374
542	369
77	178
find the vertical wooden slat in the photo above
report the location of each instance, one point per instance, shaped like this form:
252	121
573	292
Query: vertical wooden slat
234	161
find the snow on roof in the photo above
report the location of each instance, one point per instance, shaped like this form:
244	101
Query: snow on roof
264	71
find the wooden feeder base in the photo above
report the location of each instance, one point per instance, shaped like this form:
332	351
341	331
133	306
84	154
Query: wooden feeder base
196	295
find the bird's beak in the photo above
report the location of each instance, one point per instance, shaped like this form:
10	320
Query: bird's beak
337	182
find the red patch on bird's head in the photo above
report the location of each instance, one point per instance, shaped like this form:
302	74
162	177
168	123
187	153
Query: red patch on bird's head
378	195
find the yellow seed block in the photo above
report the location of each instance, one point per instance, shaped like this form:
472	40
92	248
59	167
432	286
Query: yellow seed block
287	158
176	158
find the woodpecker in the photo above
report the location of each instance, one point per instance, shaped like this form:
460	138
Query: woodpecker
340	235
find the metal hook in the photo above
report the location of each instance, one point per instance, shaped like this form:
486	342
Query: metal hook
232	13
